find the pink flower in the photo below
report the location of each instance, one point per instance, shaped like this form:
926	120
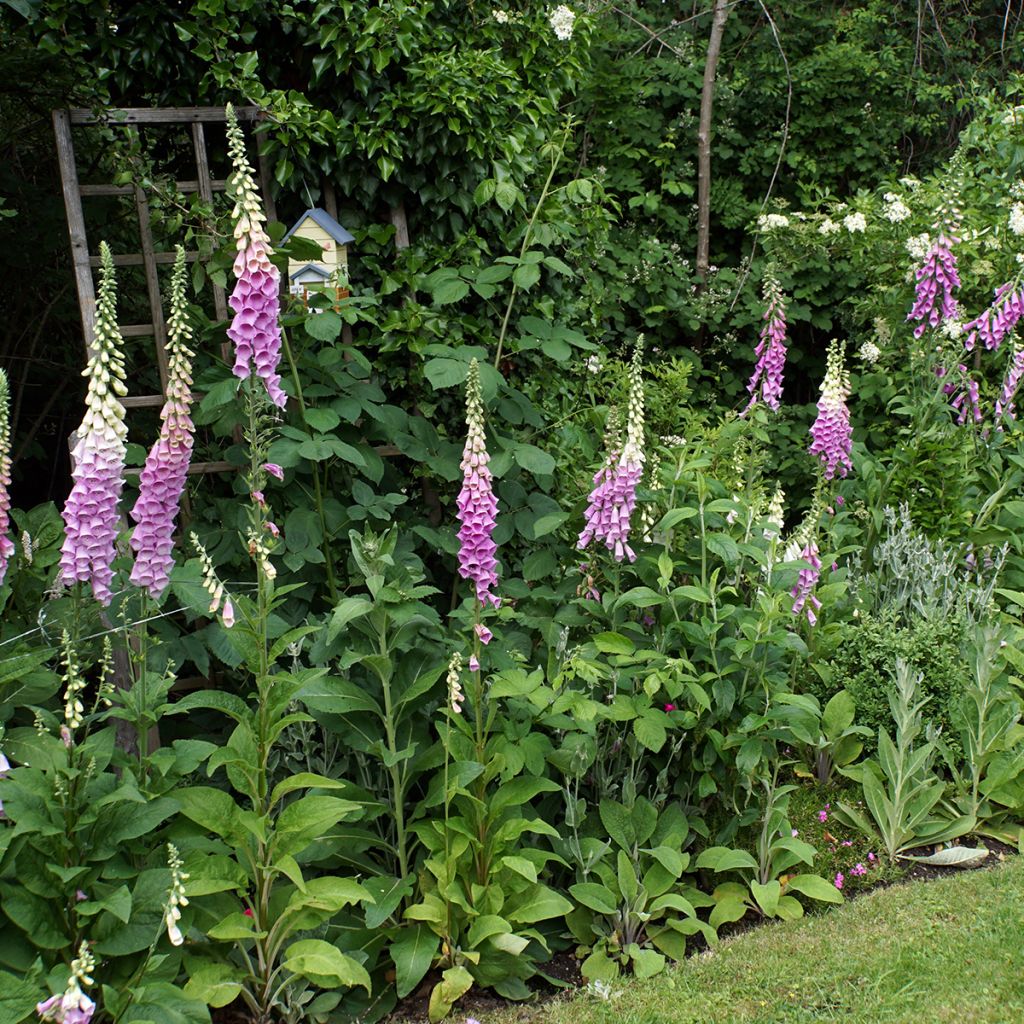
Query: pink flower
259	498
90	514
871	857
162	481
1011	382
474	663
6	544
272	529
840	500
965	392
937	278
838	883
998	321
858	869
477	505
486	636
822	816
613	497
805	583
794	833
847	842
227	614
274	470
670	707
770	351
73	1007
247	912
255	300
831	433
80	895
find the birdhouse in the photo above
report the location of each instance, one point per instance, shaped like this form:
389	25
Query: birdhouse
330	272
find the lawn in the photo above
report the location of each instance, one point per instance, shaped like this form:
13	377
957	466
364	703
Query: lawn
949	950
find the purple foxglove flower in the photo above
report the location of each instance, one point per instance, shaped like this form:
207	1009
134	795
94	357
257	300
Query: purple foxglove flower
937	279
965	398
478	507
831	433
163	477
5	767
806	581
90	512
995	323
613	497
6	544
486	636
256	300
1011	382
771	350
474	663
274	470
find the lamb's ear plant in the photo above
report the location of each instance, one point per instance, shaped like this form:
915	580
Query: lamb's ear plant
902	793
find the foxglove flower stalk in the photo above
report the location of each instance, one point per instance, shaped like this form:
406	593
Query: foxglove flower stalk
965	399
771	350
90	513
163	477
456	697
1011	382
176	897
6	544
937	279
831	432
256	302
478	507
806	581
74	1006
220	601
614	495
996	322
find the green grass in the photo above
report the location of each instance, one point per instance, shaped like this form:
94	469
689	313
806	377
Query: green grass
922	953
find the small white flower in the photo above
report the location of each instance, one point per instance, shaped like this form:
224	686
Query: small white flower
869	352
952	328
1017	219
919	246
594	364
855	222
771	221
895	209
501	17
561	20
828	227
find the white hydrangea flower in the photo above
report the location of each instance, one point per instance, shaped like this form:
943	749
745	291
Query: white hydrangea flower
869	352
561	20
1017	219
828	227
855	222
918	246
771	221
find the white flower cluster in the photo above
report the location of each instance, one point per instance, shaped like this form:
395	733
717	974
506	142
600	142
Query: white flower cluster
952	328
775	514
594	364
883	330
561	20
828	227
74	709
895	209
501	17
219	600
771	221
870	353
1017	219
919	246
455	694
855	222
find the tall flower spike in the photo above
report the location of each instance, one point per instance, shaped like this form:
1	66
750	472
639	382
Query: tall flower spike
965	398
614	495
995	323
806	581
1011	382
937	279
163	477
256	302
831	433
478	507
771	350
90	513
6	544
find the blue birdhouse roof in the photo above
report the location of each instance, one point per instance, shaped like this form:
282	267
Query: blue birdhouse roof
327	222
310	268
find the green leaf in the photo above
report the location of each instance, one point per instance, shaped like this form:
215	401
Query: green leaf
816	887
767	896
454	984
526	275
347	609
324	326
721	858
324	965
594	896
215	984
838	714
412	952
954	857
18	998
650	730
445	373
533	459
613	643
452	289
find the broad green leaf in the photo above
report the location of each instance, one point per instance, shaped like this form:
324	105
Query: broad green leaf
412	953
816	887
324	965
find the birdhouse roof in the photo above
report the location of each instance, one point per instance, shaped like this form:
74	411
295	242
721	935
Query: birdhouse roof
327	222
310	268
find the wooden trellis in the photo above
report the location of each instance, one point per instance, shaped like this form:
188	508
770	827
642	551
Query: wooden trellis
148	258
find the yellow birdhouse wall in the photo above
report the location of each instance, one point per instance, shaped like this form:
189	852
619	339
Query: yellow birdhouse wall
335	256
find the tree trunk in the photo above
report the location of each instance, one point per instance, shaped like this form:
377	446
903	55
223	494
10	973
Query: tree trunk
707	101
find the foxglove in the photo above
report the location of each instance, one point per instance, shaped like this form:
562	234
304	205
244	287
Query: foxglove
806	581
1011	382
477	505
6	544
613	497
163	477
256	302
831	433
996	322
937	279
90	513
965	399
771	350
